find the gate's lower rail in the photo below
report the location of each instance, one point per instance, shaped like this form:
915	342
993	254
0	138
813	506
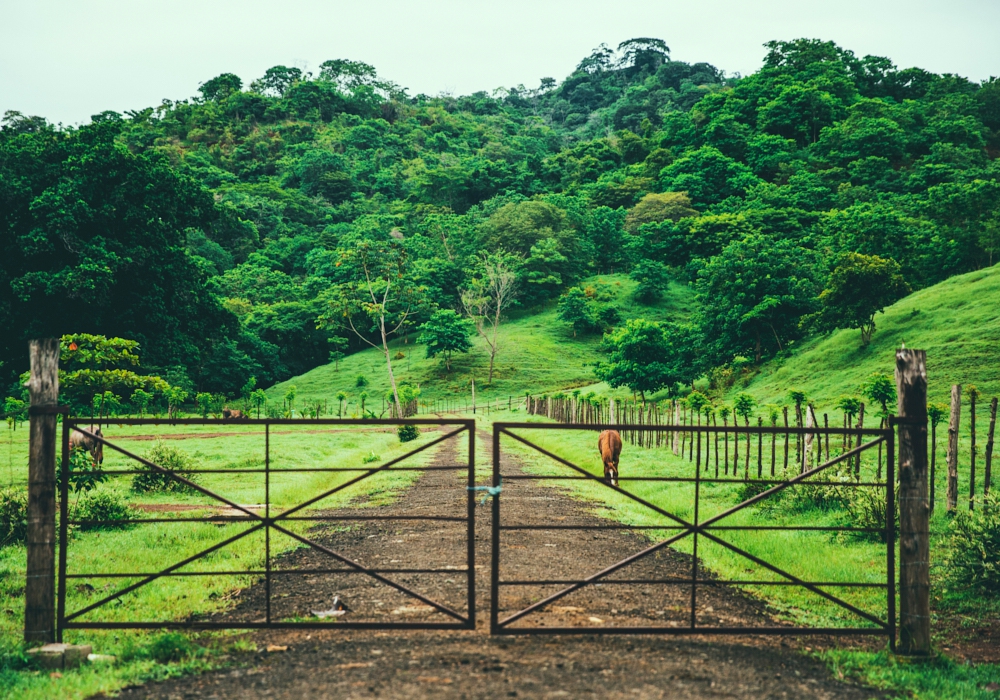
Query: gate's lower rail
701	470
266	519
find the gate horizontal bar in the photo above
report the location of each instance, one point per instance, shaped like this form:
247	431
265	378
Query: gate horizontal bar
128	472
84	421
688	582
784	631
754	429
684	479
266	625
818	528
274	572
245	519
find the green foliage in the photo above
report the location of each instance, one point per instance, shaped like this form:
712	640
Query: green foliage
859	287
850	405
446	333
656	208
361	381
936	411
105	505
744	405
13	516
153	480
881	389
86	472
647	356
171	647
408	432
866	508
652	277
972	558
753	295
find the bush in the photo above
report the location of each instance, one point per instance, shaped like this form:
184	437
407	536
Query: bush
172	646
973	549
408	432
13	516
153	480
372	457
866	508
104	504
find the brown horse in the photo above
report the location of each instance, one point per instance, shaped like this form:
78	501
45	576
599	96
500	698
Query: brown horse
609	443
78	440
234	414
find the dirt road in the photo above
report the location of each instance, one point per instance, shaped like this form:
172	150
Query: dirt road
467	664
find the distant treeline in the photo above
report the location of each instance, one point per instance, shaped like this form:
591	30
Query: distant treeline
212	230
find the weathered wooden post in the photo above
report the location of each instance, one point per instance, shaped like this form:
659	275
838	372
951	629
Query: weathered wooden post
987	475
39	592
971	390
914	509
951	497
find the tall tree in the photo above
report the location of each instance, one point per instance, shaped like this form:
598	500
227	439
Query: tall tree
859	287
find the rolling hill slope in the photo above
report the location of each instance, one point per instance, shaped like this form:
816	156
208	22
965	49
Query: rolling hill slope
538	353
956	321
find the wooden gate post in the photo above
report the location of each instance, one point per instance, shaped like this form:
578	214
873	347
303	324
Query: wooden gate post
39	592
914	508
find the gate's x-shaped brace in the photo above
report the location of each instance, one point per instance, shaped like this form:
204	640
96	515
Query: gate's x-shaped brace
689	528
265	521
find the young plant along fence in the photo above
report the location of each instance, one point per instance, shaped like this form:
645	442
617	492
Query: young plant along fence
778	451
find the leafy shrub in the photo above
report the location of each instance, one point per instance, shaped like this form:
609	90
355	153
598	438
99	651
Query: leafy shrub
172	646
973	548
86	472
749	489
153	480
408	432
13	516
866	508
104	504
372	457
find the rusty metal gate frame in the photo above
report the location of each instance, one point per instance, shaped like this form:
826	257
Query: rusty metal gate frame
885	627
269	522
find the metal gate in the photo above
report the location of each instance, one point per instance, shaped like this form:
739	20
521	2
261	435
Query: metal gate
700	473
267	522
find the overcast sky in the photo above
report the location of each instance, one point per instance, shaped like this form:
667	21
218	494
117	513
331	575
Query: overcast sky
68	59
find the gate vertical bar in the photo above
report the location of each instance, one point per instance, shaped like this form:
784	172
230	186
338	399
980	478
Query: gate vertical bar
890	532
471	530
914	545
495	540
63	516
694	548
267	518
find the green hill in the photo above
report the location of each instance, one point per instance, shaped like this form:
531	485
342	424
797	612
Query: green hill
956	321
538	353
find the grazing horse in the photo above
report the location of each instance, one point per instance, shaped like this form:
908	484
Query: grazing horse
234	414
78	440
609	443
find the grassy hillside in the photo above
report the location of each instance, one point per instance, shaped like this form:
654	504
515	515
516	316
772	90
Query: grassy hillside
957	322
538	353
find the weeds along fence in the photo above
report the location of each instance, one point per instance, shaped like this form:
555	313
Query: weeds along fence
783	452
471	405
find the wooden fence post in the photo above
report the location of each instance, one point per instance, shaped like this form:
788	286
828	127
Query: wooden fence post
914	509
39	592
987	475
951	497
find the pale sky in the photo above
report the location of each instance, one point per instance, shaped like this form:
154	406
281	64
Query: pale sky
68	59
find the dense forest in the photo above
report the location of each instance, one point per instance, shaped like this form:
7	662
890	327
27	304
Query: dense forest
224	232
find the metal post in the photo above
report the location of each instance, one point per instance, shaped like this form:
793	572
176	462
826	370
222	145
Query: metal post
914	509
471	530
495	543
39	592
267	519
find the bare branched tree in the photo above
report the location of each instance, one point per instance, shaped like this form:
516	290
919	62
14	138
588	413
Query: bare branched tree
379	300
492	290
